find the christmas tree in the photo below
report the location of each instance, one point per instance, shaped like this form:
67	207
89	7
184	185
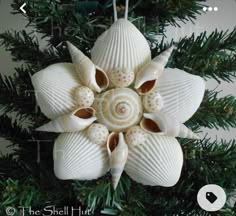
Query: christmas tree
26	175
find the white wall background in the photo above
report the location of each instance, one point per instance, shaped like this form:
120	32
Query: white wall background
223	19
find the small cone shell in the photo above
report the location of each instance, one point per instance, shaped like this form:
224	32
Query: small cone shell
89	74
147	77
73	122
118	153
160	123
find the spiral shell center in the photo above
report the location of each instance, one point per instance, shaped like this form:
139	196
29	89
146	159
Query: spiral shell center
118	109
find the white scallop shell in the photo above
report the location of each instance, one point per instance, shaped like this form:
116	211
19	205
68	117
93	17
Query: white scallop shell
136	136
121	46
153	102
84	96
118	153
89	74
159	122
75	157
54	87
98	133
118	109
122	77
157	162
75	121
147	77
182	93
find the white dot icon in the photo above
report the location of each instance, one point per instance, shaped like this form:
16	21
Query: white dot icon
210	8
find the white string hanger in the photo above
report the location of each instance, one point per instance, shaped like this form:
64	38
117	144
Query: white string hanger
126	9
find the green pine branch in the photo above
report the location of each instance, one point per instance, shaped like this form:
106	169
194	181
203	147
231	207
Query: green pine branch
88	20
99	196
32	148
17	95
25	47
210	56
11	167
169	12
215	112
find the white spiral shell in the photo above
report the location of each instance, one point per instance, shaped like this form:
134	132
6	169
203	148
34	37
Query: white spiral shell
121	46
98	133
118	109
136	136
75	157
148	76
122	77
118	153
72	122
153	101
89	74
159	122
84	96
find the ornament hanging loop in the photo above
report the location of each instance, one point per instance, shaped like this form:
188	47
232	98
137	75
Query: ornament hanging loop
126	9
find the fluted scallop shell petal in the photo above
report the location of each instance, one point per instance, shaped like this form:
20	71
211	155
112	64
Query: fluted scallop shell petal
182	93
158	161
121	46
75	157
118	109
54	88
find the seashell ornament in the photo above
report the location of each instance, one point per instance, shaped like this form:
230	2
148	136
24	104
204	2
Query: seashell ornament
153	101
118	153
122	77
84	96
89	74
98	134
147	77
161	123
136	136
118	109
75	121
